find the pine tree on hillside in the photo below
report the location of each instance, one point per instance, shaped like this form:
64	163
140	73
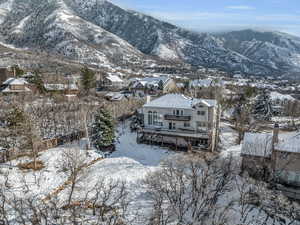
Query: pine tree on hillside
18	72
160	85
103	130
262	108
38	82
88	79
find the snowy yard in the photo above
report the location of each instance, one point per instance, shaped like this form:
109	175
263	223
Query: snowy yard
131	163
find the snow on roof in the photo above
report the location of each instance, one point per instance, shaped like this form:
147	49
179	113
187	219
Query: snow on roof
179	101
8	90
150	81
114	78
60	87
276	95
289	143
257	144
15	81
205	83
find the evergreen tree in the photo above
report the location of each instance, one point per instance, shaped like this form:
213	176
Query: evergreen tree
103	130
38	82
262	108
88	79
161	85
17	71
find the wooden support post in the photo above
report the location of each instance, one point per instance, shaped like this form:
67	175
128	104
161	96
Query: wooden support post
176	144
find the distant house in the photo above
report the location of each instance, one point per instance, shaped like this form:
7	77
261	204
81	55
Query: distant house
205	83
274	156
152	86
15	85
65	89
280	101
112	82
181	121
114	96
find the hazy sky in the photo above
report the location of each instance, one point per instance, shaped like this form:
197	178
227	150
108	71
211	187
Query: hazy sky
222	15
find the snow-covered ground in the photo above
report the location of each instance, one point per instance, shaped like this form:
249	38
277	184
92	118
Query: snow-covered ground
228	139
131	163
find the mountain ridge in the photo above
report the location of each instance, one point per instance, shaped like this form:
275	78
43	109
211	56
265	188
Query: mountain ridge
99	32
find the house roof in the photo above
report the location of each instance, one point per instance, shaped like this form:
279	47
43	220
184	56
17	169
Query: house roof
276	95
8	90
15	81
205	83
289	143
114	78
257	144
60	87
150	81
179	101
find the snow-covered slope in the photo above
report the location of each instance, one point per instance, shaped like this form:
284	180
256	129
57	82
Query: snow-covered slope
276	50
97	31
54	27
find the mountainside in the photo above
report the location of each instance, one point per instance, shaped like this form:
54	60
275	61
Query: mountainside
53	27
277	50
99	32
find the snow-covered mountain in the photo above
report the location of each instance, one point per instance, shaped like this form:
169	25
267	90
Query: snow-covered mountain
53	27
99	32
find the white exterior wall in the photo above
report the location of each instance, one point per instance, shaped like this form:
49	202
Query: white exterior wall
161	112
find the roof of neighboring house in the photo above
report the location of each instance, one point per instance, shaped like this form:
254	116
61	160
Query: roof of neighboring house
9	90
150	81
257	144
114	78
276	95
289	143
179	101
15	81
60	87
205	83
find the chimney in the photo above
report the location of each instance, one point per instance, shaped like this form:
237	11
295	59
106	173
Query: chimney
148	98
275	133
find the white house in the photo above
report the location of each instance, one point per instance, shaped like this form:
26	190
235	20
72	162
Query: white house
15	85
181	120
151	85
112	82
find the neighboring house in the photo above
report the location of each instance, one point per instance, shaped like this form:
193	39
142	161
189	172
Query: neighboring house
112	82
152	86
66	89
181	121
280	101
206	83
273	156
114	96
15	85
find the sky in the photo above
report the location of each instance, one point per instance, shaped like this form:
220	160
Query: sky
223	15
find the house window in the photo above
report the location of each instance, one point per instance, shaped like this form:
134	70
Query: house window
203	141
186	124
182	112
155	118
201	113
201	124
150	118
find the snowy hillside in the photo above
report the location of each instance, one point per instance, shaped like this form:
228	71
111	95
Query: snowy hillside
53	27
99	32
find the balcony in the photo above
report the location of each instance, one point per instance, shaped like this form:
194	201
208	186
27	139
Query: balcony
177	118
